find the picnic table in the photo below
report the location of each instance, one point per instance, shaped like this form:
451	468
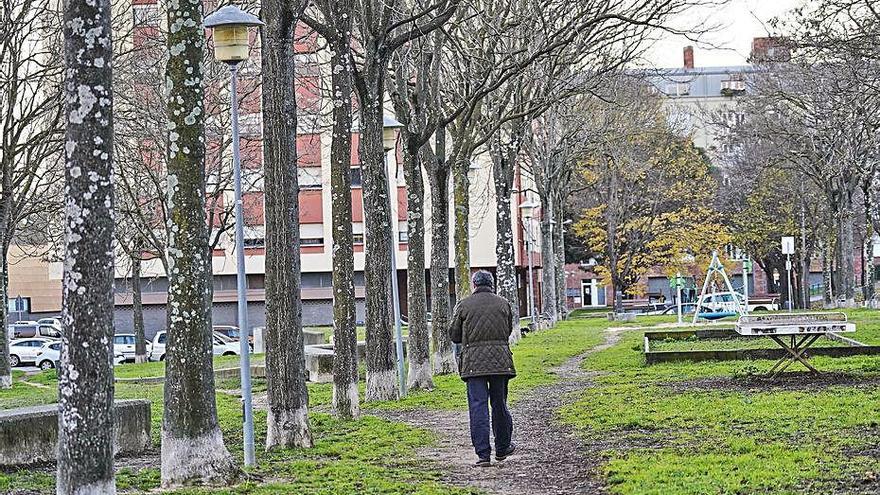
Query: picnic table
794	332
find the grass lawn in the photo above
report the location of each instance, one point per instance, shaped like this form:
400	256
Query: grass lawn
369	456
711	427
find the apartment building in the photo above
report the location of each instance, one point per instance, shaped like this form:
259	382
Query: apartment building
39	282
701	102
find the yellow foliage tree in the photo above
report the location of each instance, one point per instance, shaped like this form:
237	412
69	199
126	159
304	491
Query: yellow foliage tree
653	208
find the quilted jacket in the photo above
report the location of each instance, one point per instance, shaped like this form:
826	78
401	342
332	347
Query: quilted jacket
482	325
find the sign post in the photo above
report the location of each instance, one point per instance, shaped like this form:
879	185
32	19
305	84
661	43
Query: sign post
788	250
747	267
678	284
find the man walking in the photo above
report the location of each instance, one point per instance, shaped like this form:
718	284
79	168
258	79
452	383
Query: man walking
482	325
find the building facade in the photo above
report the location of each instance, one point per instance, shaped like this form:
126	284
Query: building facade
38	282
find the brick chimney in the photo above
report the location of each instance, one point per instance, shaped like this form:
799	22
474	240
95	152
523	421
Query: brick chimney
688	57
770	49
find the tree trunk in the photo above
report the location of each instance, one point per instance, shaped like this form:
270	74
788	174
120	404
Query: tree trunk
346	401
847	254
418	342
5	369
381	353
192	444
85	382
504	249
559	262
461	204
548	262
438	179
287	420
137	309
827	292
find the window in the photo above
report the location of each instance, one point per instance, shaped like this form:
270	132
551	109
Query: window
257	242
312	241
162	338
403	236
145	15
357	238
356	179
309	178
678	89
733	85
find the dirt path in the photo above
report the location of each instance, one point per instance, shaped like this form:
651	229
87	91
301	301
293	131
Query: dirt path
550	459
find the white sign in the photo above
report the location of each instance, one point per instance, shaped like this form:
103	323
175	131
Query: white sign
788	245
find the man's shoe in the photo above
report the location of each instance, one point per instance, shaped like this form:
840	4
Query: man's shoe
483	462
500	456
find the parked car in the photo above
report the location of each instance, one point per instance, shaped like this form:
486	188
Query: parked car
720	302
18	331
26	351
124	344
51	354
54	321
686	309
232	333
222	346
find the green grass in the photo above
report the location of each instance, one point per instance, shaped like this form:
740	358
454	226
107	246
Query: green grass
671	433
370	456
534	357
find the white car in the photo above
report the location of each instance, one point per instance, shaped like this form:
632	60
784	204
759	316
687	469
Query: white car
222	346
51	354
726	302
26	351
54	321
124	344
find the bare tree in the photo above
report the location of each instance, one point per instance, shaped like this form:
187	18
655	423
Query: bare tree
409	94
382	27
288	397
86	416
820	118
335	25
192	444
30	116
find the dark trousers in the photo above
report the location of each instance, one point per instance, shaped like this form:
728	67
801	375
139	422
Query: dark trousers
481	391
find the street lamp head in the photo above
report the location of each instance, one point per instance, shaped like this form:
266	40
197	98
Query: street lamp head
230	25
528	208
390	126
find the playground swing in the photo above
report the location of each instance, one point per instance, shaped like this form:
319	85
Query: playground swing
716	269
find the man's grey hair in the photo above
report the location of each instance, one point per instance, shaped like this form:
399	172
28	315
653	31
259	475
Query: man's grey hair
483	279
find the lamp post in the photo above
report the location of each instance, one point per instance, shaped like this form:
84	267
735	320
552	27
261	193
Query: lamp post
390	127
527	209
231	46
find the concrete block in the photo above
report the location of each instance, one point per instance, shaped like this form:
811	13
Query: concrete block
259	343
29	435
319	363
313	336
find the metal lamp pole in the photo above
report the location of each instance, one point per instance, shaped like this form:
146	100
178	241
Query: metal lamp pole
231	45
389	126
527	208
241	280
531	276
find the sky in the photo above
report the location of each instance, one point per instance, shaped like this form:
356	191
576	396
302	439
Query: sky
738	22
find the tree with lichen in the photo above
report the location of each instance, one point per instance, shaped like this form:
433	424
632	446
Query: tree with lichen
192	444
333	23
409	94
31	126
287	421
85	383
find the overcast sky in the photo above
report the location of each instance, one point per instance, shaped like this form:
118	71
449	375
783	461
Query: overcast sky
739	21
